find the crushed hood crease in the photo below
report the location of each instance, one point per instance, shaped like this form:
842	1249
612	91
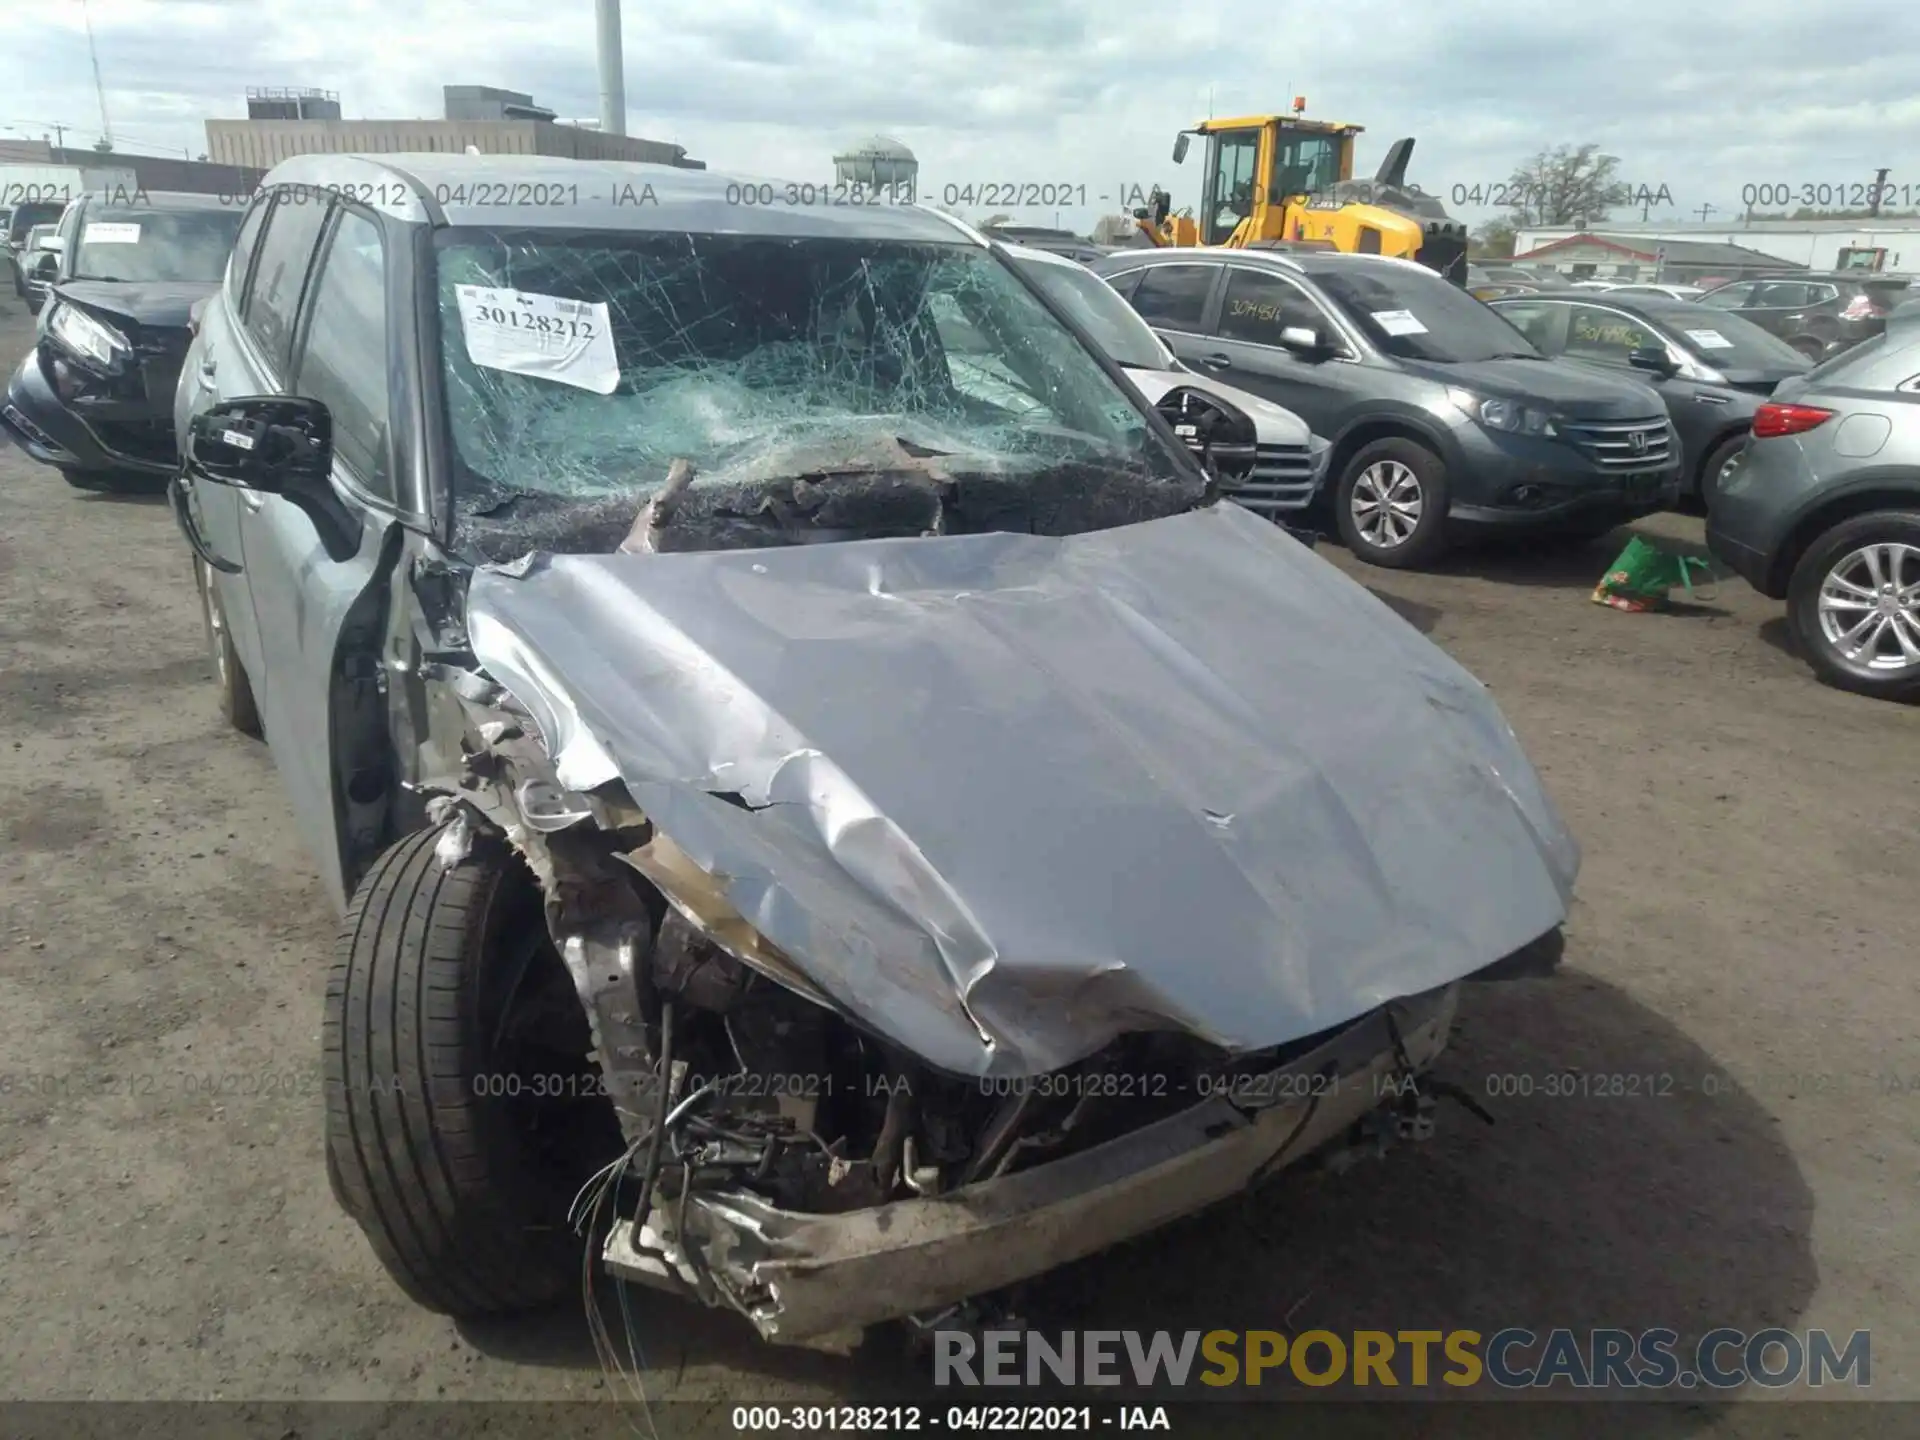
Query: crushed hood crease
1005	797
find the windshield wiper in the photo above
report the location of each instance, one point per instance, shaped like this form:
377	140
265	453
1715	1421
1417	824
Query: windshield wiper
1516	355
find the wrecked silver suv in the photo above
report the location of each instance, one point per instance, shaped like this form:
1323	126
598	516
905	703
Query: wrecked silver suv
828	804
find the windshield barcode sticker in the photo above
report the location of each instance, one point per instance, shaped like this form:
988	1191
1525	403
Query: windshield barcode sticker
1398	322
544	336
1709	339
237	439
117	234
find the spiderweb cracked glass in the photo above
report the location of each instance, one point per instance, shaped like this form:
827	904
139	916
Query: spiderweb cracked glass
769	361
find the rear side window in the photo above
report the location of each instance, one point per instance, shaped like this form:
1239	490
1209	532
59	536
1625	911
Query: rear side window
1600	334
1174	295
1535	321
244	245
1259	306
344	361
274	299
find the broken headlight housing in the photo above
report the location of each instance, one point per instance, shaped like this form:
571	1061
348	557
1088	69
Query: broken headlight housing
1509	417
93	342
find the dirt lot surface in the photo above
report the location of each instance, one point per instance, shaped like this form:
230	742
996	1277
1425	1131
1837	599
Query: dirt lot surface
1745	929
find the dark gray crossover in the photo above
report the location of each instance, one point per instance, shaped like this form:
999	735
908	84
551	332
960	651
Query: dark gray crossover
1712	368
1822	509
824	793
94	397
1442	416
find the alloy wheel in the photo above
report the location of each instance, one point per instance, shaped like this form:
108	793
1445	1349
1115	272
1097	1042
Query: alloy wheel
1387	504
1870	607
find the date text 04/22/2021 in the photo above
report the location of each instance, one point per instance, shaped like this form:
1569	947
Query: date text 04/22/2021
958	1419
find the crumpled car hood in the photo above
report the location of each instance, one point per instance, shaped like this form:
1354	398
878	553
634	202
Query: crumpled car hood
1004	797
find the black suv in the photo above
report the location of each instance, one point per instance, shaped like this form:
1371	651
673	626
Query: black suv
94	398
1441	413
1819	315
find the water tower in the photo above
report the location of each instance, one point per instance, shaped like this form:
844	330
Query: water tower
879	163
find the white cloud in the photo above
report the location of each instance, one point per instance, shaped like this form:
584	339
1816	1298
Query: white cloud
1703	99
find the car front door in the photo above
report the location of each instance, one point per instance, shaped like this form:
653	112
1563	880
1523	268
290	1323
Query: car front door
1779	306
304	588
1245	349
217	508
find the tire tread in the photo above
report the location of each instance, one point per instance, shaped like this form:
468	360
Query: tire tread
406	1143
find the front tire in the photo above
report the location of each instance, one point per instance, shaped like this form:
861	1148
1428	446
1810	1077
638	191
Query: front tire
1853	605
464	1201
1391	504
236	691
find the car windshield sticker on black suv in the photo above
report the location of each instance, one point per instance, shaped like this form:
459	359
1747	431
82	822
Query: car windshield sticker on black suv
1399	322
1708	339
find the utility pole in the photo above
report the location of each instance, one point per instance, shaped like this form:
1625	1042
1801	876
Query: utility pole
106	129
1706	210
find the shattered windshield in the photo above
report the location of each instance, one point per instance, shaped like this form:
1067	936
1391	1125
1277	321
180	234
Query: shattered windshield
818	389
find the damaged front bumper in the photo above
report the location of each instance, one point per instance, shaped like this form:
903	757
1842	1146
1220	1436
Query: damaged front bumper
798	1276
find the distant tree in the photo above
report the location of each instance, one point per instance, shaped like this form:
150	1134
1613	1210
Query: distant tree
1568	185
1493	241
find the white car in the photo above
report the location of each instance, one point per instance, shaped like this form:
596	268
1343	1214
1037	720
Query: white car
1282	470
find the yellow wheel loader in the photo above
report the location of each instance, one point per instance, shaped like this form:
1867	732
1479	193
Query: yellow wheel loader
1278	181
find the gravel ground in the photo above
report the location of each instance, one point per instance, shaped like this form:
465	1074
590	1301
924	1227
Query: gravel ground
1749	858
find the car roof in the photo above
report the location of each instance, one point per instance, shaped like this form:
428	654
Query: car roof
1042	257
1299	262
132	198
1654	305
425	188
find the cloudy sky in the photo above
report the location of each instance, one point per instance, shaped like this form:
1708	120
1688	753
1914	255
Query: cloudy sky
1704	98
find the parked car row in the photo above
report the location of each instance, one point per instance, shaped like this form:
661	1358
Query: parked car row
1810	476
1819	315
1441	417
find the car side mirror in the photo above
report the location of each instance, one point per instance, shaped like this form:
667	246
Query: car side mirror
53	243
46	267
275	445
1655	359
1180	147
1303	341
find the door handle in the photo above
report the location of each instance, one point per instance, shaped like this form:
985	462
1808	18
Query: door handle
204	379
1216	362
1706	399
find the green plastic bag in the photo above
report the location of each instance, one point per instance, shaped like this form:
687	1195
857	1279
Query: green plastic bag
1644	574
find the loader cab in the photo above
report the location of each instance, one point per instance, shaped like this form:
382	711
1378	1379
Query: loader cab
1254	164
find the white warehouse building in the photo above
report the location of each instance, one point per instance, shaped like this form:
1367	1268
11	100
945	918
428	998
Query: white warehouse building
1885	244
